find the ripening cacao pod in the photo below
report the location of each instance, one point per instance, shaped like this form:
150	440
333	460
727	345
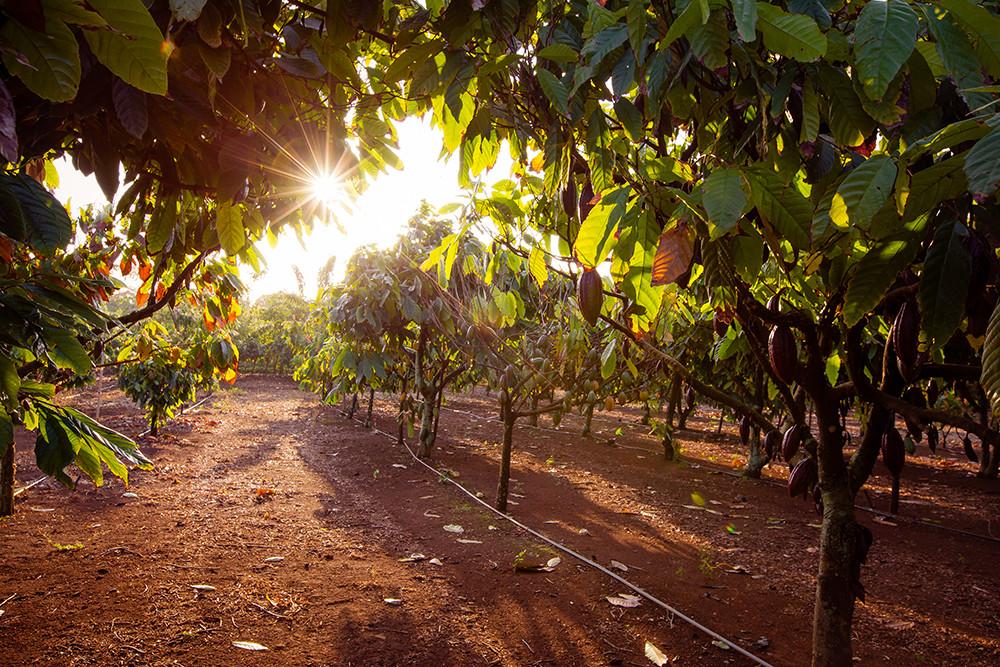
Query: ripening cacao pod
970	453
803	478
745	425
591	397
590	295
791	441
609	403
783	353
893	451
570	200
774	304
906	338
932	438
771	443
556	418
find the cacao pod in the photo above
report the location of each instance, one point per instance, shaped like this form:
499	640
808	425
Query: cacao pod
745	425
783	353
790	443
774	304
590	295
609	403
556	418
970	452
771	443
906	338
803	478
718	326
569	200
932	438
893	451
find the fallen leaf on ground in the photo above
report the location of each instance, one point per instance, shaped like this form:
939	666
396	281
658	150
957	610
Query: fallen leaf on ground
274	559
619	566
899	625
655	655
130	494
431	515
250	646
412	558
454	528
395	602
464	541
435	561
203	588
624	600
718	643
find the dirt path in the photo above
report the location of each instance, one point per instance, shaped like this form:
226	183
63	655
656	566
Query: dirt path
299	518
266	473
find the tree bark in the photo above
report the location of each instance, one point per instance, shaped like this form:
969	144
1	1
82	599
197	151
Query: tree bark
426	429
755	458
371	403
401	418
645	415
509	418
154	424
7	470
588	417
673	399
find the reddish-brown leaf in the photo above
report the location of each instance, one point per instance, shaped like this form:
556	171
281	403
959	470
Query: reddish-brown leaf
673	256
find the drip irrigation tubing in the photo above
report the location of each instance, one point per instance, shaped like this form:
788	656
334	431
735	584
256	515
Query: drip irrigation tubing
192	408
570	552
726	471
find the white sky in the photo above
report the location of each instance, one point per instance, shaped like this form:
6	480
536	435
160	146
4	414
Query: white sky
376	217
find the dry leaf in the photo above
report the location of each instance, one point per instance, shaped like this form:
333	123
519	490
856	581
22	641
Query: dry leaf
454	528
395	602
202	588
619	566
412	558
655	655
274	559
250	646
673	255
624	600
466	541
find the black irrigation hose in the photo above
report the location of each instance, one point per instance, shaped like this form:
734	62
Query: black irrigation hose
561	547
38	481
871	510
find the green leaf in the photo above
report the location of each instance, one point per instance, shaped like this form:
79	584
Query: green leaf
559	53
982	164
536	266
745	15
133	47
554	90
849	122
636	19
187	10
10	382
229	225
944	283
159	235
49	227
597	233
72	12
863	193
630	119
884	37
990	377
793	35
65	350
723	197
983	25
636	283
781	205
874	273
52	69
609	359
6	431
957	56
688	19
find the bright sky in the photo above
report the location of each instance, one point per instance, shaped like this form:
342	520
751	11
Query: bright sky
376	217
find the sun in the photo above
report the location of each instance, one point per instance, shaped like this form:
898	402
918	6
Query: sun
327	188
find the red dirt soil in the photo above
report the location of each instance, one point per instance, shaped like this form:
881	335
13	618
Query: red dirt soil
266	471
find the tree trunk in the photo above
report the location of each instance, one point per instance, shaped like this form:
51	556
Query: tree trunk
427	433
645	415
722	418
354	406
401	418
838	581
508	445
533	419
588	417
437	410
669	453
755	460
371	402
674	399
7	470
154	424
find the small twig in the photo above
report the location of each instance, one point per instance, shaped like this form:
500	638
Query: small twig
528	645
269	612
11	597
133	648
124	550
